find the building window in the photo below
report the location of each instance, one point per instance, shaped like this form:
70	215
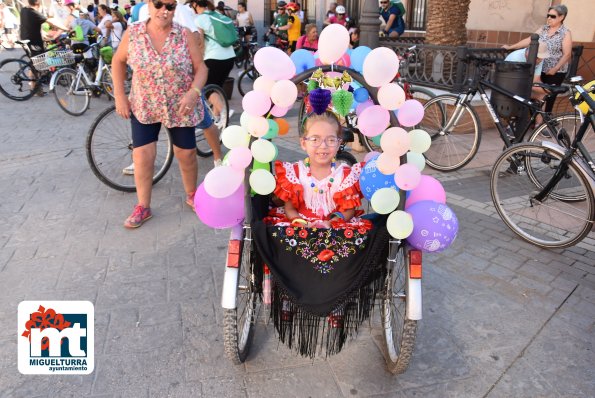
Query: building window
416	15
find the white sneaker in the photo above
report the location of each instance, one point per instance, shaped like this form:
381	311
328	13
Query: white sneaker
231	112
128	170
217	162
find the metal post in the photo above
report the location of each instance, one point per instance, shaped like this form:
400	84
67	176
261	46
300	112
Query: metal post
533	48
369	24
461	76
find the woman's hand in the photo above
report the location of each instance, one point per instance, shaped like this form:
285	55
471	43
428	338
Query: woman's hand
507	47
319	224
123	106
188	103
551	72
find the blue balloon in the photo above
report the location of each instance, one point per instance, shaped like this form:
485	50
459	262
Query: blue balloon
303	60
361	95
358	56
372	179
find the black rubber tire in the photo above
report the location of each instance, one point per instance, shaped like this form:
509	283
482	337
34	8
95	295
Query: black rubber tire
63	84
109	150
246	79
456	147
398	331
238	323
571	122
202	146
15	80
346	157
108	85
553	222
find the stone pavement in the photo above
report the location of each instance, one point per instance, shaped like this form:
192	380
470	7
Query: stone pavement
502	318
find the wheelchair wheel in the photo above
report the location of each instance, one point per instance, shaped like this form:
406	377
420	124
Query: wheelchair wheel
399	332
109	151
238	322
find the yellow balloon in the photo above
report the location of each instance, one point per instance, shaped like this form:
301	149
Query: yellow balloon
417	159
263	150
420	141
399	224
235	136
262	182
385	200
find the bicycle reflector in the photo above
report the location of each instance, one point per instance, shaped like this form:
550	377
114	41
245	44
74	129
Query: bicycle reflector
233	253
415	264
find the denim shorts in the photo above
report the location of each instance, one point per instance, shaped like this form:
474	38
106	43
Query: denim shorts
207	120
143	134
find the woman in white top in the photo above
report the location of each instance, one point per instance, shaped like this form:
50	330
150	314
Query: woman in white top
103	14
244	22
117	26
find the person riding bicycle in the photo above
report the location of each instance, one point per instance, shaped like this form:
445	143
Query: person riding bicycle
31	21
278	29
294	26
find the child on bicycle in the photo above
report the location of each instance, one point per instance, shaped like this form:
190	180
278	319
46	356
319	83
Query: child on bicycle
318	192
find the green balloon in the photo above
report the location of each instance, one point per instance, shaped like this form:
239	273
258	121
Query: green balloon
273	130
376	139
256	165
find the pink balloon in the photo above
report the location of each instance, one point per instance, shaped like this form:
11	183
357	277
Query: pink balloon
380	66
345	60
387	163
363	106
240	158
258	126
279	111
256	103
284	93
222	181
407	176
395	141
391	96
370	155
274	63
373	120
410	113
428	188
219	212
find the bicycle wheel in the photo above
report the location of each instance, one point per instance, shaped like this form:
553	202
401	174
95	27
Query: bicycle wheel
107	83
399	332
570	123
552	222
70	92
18	80
422	94
109	151
346	157
246	80
238	322
455	132
221	121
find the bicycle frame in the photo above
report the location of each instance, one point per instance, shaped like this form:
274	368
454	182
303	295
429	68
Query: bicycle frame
77	88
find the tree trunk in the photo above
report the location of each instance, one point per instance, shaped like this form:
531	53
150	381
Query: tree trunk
446	22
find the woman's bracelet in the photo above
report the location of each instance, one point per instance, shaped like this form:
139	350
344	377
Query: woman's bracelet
197	90
297	220
337	214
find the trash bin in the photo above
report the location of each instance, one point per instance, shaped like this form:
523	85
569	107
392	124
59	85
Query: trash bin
516	78
228	87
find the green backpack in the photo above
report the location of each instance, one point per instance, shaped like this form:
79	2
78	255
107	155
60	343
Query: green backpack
225	31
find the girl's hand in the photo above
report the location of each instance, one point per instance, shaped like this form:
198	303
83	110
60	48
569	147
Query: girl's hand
123	106
319	224
188	103
551	72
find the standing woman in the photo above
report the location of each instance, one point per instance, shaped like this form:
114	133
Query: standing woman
245	23
169	74
117	26
104	16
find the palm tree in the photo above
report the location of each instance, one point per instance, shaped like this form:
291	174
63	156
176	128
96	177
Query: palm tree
446	22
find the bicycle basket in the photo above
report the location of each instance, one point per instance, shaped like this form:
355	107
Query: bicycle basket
107	53
52	59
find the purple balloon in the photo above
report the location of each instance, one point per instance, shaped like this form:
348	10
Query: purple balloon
435	226
219	212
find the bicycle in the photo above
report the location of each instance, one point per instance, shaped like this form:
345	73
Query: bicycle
545	192
455	128
73	88
109	146
22	78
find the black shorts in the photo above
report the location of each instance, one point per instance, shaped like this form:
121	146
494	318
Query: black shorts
219	70
143	134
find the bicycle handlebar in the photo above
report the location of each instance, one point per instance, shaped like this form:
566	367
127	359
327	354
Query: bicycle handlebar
586	96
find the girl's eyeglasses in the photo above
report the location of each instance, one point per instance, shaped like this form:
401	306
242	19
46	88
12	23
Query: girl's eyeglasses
168	6
316	141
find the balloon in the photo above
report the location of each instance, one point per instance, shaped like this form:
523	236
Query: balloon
363	106
222	181
273	130
303	60
332	43
263	84
274	63
219	212
263	150
235	136
387	163
284	93
361	94
262	182
420	141
407	176
372	180
279	111
428	188
435	226
399	224
258	126
410	113
391	96
417	159
256	103
395	141
373	120
245	119
256	165
283	126
385	200
358	55
381	66
345	60
239	158
376	139
371	155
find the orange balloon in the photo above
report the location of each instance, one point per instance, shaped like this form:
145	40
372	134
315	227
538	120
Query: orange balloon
283	126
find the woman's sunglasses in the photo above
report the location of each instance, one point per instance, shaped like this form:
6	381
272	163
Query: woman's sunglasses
168	6
552	16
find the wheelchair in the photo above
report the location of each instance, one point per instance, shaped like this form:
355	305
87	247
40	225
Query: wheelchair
387	280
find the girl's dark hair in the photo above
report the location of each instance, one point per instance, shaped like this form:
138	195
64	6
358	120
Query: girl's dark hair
105	8
90	8
241	3
205	4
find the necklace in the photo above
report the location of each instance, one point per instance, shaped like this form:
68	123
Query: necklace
312	183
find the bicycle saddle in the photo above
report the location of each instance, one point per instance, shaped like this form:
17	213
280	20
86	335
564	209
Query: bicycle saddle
553	89
22	42
80	48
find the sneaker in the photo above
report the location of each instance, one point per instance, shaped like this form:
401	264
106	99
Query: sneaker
217	162
128	170
190	201
230	113
138	217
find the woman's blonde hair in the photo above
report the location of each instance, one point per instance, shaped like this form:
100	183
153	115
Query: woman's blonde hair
309	27
328	117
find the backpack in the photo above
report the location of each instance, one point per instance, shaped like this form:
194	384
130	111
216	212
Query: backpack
225	31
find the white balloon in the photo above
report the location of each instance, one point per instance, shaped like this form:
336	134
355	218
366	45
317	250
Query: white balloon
235	136
380	66
258	126
399	224
417	159
391	96
385	200
262	182
332	43
284	93
245	120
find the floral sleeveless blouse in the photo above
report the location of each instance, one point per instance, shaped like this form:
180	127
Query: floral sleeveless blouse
159	81
554	47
